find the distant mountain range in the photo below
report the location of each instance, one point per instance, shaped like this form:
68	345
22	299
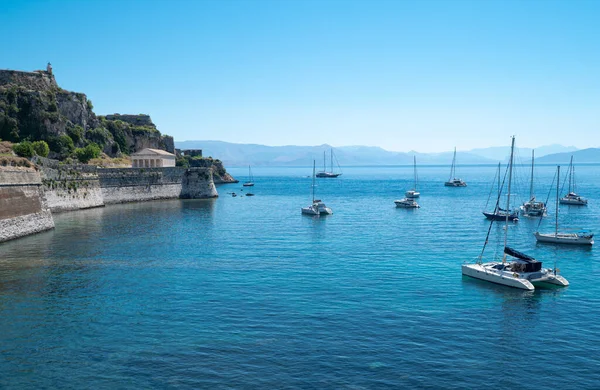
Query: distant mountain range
261	155
590	155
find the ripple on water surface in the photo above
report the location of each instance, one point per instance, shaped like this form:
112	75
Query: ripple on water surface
245	292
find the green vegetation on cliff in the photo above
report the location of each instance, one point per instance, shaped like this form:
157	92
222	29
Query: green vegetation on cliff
34	111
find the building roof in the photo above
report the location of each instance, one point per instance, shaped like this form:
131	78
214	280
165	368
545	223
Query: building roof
152	152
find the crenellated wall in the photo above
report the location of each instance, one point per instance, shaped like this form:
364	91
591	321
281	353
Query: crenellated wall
23	209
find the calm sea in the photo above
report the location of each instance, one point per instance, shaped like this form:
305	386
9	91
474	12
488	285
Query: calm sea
245	292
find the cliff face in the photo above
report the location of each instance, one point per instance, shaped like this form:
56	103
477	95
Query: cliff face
33	106
220	175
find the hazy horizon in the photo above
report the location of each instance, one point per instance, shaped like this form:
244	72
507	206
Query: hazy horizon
451	149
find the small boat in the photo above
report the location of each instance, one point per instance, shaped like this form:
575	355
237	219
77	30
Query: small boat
407	203
331	174
520	270
453	181
413	193
533	208
250	182
317	207
578	238
500	214
572	198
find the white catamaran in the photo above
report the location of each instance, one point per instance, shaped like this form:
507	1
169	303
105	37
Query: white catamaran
520	270
317	207
533	208
579	238
453	181
572	198
413	193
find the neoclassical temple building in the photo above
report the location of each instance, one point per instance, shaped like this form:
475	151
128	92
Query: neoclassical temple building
152	158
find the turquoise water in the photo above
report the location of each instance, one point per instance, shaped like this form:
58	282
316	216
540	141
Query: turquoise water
244	292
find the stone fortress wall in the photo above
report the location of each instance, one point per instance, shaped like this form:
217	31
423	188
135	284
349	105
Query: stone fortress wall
28	196
37	81
23	209
69	187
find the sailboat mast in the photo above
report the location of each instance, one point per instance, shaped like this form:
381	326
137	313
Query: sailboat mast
324	166
557	181
313	181
452	167
512	149
415	169
499	178
331	159
531	185
570	173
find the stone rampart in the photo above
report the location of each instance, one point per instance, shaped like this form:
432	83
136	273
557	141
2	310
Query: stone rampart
121	185
29	197
23	209
37	81
69	187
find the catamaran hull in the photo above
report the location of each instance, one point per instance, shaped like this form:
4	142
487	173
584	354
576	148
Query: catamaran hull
523	280
406	204
455	184
477	271
316	212
574	202
564	238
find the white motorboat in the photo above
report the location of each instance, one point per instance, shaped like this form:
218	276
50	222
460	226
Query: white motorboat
407	203
572	198
533	208
413	193
317	207
453	181
578	238
520	270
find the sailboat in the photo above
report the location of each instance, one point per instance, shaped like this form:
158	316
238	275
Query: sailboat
317	207
331	173
520	270
572	198
250	181
413	193
500	214
453	181
533	208
579	238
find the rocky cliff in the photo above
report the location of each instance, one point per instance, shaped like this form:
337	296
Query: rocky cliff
34	107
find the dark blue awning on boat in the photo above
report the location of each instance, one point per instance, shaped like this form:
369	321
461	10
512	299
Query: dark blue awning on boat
519	255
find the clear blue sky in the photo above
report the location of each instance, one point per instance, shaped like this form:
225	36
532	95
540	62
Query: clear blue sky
403	75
